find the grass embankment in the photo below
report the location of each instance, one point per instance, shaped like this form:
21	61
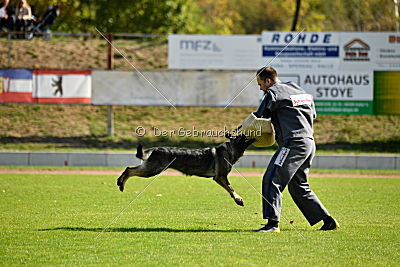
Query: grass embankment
54	219
78	127
84	53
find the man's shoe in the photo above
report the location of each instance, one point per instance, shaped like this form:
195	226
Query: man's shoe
268	229
331	225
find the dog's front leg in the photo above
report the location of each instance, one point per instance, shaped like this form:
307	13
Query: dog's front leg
223	181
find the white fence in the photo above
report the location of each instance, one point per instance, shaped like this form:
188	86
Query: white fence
249	160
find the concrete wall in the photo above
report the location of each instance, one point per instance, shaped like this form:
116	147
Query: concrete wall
249	160
179	88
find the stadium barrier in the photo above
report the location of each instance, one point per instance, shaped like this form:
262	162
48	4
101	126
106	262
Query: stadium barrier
249	160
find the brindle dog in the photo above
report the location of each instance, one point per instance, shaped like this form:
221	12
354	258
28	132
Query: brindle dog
213	162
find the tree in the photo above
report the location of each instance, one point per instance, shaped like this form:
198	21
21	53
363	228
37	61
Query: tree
220	16
145	16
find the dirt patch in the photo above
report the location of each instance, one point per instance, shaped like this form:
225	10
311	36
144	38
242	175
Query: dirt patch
176	173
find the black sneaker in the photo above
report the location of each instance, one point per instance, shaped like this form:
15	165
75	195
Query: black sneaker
268	229
331	225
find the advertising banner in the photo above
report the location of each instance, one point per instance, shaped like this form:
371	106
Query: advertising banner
341	92
289	51
62	86
370	51
334	56
336	51
221	52
296	55
16	86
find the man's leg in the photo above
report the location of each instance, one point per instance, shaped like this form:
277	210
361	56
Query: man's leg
305	199
275	180
268	198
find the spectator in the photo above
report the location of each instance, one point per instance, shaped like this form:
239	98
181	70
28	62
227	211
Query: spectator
24	11
4	15
24	15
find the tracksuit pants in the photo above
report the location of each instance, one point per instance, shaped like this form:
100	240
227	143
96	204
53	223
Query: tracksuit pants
289	167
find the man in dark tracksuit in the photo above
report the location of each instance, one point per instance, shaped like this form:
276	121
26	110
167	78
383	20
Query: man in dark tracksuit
292	112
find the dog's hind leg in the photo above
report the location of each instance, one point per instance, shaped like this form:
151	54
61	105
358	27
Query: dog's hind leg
128	172
223	181
144	170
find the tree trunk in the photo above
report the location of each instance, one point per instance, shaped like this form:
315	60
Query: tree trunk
296	15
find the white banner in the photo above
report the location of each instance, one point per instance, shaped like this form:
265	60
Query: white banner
287	51
370	51
62	86
341	85
224	52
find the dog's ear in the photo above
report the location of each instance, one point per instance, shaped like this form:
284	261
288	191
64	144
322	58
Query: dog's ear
228	135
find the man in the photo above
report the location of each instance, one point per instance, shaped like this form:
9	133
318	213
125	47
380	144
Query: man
292	113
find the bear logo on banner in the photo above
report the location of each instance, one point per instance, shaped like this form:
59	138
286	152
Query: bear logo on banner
58	85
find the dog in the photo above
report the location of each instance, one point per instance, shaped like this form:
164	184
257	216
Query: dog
215	162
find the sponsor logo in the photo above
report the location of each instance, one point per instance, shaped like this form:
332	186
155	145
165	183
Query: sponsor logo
394	39
303	99
282	156
301	38
199	45
356	50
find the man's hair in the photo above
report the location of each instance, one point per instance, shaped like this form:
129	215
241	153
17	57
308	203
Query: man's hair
267	73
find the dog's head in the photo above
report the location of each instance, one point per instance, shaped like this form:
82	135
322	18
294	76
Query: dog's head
239	143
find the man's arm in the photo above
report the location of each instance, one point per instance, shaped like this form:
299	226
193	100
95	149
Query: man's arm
264	110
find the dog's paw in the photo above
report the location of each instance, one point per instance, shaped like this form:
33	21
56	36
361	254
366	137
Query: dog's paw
121	188
239	201
120	183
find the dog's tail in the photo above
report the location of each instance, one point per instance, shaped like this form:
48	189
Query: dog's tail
139	152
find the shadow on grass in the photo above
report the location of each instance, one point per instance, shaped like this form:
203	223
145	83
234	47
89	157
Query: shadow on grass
136	229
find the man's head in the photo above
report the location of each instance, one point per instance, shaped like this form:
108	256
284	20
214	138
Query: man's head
266	77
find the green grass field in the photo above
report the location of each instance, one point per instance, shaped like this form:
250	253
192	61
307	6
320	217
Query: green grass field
54	219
